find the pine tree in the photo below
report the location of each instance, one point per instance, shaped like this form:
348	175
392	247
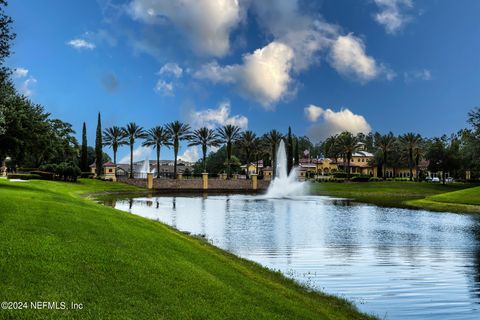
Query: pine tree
296	153
98	147
289	150
84	152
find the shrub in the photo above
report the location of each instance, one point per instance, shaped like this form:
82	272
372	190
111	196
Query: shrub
402	179
361	178
44	175
23	176
26	170
87	175
49	167
375	179
68	171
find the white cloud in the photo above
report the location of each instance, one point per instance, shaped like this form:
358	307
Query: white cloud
80	44
212	118
26	87
335	122
313	112
392	14
139	154
172	69
163	87
417	75
206	24
348	57
264	74
191	154
20	72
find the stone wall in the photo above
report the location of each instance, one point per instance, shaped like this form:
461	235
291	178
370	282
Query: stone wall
217	185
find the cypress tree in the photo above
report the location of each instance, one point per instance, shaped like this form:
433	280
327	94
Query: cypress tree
296	153
289	150
83	153
98	148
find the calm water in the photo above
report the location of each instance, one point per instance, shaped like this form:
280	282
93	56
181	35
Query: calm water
396	263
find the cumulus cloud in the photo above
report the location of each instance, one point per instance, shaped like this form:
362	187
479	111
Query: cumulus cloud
139	154
213	118
392	14
20	72
171	69
332	122
80	44
417	75
349	58
191	154
206	24
165	88
26	87
264	74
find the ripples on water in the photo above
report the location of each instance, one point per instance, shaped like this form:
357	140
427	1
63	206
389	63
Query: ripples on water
396	263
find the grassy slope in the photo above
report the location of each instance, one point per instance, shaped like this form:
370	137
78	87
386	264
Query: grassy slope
389	193
467	200
57	246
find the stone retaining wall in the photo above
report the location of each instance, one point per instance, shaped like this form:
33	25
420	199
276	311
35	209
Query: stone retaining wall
217	185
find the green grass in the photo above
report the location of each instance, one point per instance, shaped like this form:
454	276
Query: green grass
58	246
467	200
393	193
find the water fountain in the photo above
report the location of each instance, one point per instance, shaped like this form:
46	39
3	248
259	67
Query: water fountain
284	184
145	169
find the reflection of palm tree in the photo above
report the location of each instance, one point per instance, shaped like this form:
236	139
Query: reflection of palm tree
273	139
114	137
349	144
247	142
178	131
385	143
156	137
206	138
229	134
411	142
132	132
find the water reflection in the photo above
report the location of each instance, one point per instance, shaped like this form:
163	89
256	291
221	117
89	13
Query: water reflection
397	263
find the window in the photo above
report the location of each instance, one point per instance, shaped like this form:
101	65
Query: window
110	170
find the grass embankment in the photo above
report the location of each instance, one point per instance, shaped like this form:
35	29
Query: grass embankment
58	246
467	200
406	194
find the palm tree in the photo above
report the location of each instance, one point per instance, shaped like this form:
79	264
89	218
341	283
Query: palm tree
229	134
132	132
114	137
206	138
257	150
156	138
273	139
177	131
410	142
247	142
385	143
349	144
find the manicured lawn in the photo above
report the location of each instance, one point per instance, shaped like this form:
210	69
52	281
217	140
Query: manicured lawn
467	200
58	246
388	193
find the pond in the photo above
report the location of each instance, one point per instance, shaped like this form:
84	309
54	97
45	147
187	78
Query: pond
395	263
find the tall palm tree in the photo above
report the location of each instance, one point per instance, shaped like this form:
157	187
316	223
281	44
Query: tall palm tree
156	138
256	151
331	147
132	132
204	137
411	142
273	138
385	143
178	131
114	137
229	134
247	142
349	144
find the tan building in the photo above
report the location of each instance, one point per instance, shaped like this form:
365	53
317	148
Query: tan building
109	171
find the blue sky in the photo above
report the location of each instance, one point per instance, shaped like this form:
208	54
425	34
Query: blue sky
319	66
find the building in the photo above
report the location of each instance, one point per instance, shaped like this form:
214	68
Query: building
109	171
251	168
